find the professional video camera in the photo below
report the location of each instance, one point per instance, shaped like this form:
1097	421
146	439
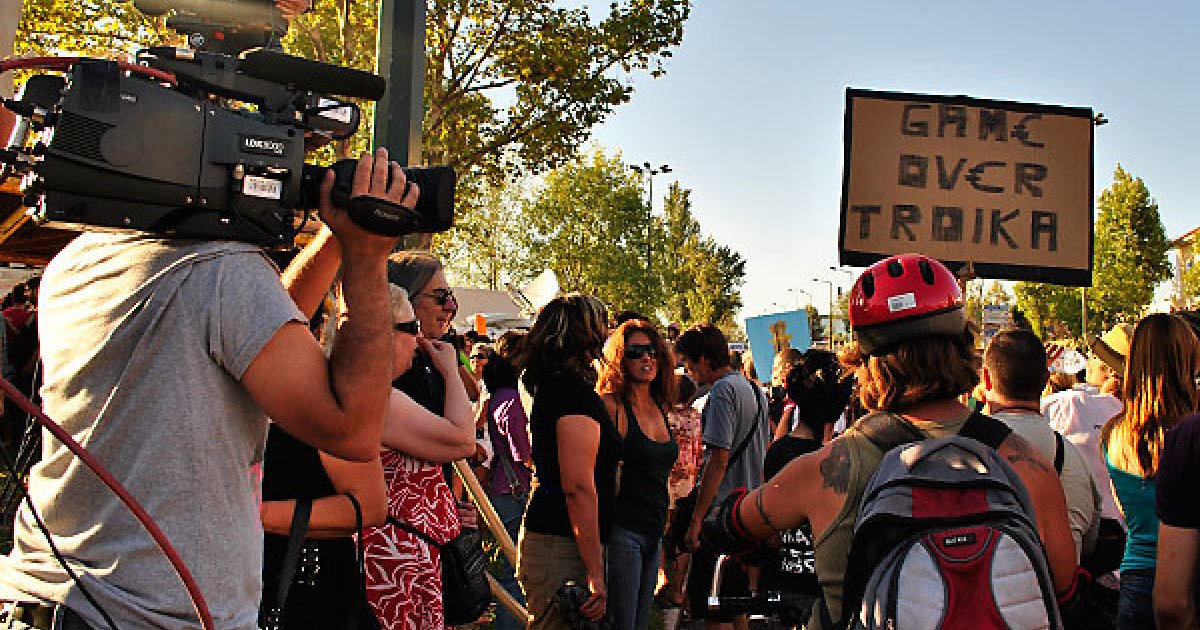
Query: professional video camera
190	143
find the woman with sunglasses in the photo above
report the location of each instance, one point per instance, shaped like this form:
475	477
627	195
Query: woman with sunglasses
404	584
575	454
637	394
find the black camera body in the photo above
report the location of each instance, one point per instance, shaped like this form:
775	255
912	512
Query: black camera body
166	151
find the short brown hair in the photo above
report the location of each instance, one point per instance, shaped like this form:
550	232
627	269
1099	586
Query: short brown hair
1016	363
704	340
914	371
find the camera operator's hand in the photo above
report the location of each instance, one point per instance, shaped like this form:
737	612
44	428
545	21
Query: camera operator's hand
370	179
292	8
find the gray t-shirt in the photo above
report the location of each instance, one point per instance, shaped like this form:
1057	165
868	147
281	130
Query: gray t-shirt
144	342
734	408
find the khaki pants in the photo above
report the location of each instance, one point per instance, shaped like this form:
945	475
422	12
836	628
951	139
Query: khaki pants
544	563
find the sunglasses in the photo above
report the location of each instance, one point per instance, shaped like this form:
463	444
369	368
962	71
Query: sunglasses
412	327
637	351
441	296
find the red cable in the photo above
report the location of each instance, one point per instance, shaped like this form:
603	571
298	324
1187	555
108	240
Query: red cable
64	63
168	550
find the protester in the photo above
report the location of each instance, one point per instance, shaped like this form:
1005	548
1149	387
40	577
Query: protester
1014	374
736	432
1159	391
478	358
637	388
912	363
512	458
404	583
685	426
332	586
575	452
783	408
1080	413
1179	529
821	392
188	347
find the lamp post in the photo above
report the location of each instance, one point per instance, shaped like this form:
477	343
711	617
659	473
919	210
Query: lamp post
852	275
649	172
796	294
829	333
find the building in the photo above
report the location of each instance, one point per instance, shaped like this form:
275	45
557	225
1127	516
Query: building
1187	255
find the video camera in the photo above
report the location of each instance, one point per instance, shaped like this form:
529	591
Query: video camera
199	144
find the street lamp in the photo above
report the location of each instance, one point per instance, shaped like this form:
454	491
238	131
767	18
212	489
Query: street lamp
829	333
649	172
852	275
796	294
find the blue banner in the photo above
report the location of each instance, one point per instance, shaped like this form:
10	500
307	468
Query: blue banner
769	334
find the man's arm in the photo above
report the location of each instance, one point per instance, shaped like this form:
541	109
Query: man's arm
1175	578
710	482
337	404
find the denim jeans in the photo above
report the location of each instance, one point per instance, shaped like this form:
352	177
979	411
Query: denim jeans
632	572
511	508
1135	609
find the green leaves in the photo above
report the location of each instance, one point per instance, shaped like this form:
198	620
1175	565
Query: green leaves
1130	259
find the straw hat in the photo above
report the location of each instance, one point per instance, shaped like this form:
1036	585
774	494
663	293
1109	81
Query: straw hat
1113	346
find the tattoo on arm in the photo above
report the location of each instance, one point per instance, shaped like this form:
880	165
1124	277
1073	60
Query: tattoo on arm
835	468
1022	451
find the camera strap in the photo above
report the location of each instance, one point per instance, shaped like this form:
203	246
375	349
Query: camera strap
382	216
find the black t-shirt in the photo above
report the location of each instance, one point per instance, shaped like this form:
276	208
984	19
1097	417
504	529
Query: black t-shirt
293	470
793	570
1179	475
424	384
567	396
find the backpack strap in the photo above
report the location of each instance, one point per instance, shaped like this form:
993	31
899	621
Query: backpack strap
1060	452
985	429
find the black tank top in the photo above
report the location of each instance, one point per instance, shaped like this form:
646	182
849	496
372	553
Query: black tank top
642	500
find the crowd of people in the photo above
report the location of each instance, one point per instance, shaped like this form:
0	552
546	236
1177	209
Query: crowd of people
629	461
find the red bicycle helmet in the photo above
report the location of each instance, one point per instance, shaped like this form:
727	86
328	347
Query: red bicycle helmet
905	296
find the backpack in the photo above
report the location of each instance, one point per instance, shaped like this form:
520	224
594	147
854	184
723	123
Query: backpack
946	536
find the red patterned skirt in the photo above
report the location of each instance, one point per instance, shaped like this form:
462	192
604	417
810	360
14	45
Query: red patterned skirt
404	573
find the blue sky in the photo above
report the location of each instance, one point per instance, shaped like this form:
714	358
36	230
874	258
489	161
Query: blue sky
749	114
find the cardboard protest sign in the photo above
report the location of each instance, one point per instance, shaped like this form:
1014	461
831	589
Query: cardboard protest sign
769	334
1006	186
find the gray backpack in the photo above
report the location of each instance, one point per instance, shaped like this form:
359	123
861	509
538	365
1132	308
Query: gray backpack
946	537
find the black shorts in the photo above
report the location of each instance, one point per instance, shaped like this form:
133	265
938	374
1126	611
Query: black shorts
699	584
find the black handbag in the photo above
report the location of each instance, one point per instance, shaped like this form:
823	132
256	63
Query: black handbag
466	594
295	568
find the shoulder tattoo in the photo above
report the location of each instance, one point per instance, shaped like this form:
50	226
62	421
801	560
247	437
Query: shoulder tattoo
1021	451
835	468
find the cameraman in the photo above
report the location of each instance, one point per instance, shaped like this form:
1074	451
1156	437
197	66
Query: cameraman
164	358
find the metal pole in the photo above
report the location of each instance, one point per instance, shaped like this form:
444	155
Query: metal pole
400	59
649	215
1083	313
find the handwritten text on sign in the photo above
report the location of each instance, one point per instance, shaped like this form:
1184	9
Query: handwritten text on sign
1007	186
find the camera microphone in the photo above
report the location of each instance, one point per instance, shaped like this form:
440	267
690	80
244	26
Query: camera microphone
277	67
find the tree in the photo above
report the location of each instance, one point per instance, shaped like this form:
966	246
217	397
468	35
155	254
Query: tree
815	328
1130	253
486	246
588	224
96	28
1189	281
1050	308
702	278
518	84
